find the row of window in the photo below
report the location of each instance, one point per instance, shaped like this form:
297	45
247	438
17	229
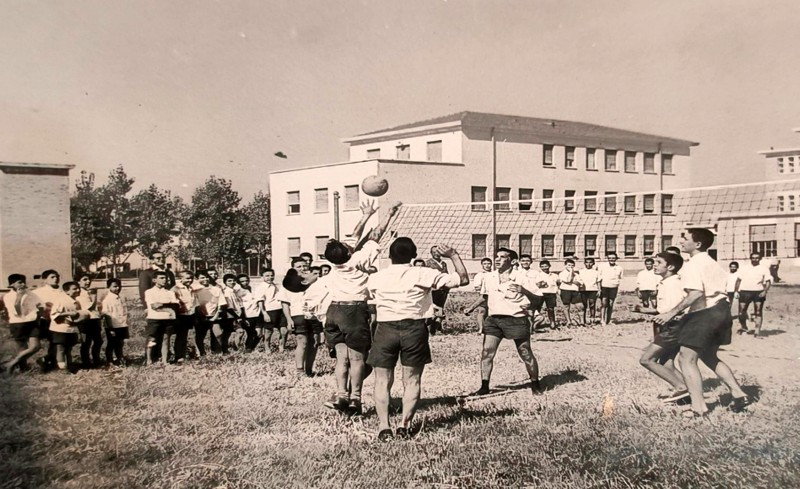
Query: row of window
787	203
550	245
610	158
322	201
294	247
787	165
571	202
403	151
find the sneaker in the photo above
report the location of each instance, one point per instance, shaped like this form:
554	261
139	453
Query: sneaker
354	407
385	435
537	389
675	396
338	403
739	404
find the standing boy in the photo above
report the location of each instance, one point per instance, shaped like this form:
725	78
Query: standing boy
91	330
271	313
293	301
477	282
162	306
116	319
755	282
65	316
733	283
252	313
590	280
210	307
548	284
646	282
187	309
610	278
48	293
569	283
23	310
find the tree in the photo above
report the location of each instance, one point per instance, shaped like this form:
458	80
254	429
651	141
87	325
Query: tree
159	220
215	224
257	231
85	209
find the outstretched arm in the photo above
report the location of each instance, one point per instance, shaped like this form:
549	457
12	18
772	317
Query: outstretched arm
458	264
377	233
367	210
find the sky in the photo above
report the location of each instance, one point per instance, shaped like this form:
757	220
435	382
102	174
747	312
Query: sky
179	90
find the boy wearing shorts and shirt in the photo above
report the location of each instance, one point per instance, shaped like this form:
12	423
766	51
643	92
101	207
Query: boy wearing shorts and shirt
23	311
91	330
610	278
187	307
266	294
65	316
707	325
646	283
548	284
755	282
161	306
569	283
659	356
480	304
293	301
211	304
116	318
403	300
590	284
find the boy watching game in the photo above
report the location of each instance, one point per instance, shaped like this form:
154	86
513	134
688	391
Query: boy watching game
116	323
23	310
161	306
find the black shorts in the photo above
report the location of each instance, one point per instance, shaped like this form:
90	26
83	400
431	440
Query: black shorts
588	296
67	340
90	327
348	323
21	332
646	295
508	327
707	328
276	320
439	296
748	296
118	334
666	335
730	296
569	297
184	323
307	327
609	293
406	339
549	300
44	329
158	327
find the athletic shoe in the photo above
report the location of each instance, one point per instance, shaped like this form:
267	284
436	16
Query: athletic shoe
480	392
385	435
337	403
537	389
739	404
354	407
675	396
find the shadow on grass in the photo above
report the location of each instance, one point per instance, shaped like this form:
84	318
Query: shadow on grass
20	468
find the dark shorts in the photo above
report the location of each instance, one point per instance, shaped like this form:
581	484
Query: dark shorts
549	300
21	332
65	339
748	296
666	335
588	296
569	297
646	295
439	296
276	320
305	326
348	323
406	339
158	327
90	327
730	296
508	327
118	333
707	328
44	329
609	293
184	323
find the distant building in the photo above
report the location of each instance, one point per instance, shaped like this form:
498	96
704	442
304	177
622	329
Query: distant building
34	219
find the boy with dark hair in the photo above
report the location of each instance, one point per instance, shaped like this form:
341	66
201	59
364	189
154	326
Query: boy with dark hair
251	317
48	293
590	284
307	257
610	278
480	304
231	320
646	282
162	306
324	269
187	309
210	307
23	310
732	285
271	313
548	284
116	323
707	325
91	329
65	316
659	356
293	301
402	295
755	282
569	283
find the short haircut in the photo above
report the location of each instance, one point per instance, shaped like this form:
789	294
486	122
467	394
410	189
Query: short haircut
589	258
315	267
209	269
113	281
756	253
569	260
673	260
613	253
324	266
305	253
228	276
486	258
525	255
185	272
419	261
702	236
159	273
16	277
511	254
673	249
201	273
79	276
733	263
402	250
337	252
296	259
648	260
153	254
241	276
544	262
68	285
268	270
47	274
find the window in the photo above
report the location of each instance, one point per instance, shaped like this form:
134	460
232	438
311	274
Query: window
569	244
590	244
611	160
590	202
649	204
434	151
569	161
791	203
666	242
547	155
591	164
547	202
502	194
526	244
478	246
569	201
403	152
611	244
649	163
351	198
479	195
797	238
764	239
526	194
502	241
780	165
787	202
666	204
611	202
373	154
781	204
666	164
630	162
321	242
791	164
630	204
293	247
321	200
630	245
649	245
548	245
293	199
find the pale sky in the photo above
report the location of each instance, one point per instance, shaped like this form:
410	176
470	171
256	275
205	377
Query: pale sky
179	90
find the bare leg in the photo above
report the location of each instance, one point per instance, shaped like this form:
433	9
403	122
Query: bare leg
412	387
384	378
357	370
490	344
300	352
33	347
758	316
722	370
342	370
650	361
691	375
531	365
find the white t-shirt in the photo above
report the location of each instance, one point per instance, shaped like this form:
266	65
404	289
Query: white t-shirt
478	279
730	285
531	280
670	293
88	303
48	295
296	301
590	277
348	281
114	308
210	299
610	277
318	298
187	298
754	278
268	293
401	291
552	282
702	273
27	307
500	300
250	303
61	304
647	280
163	296
574	284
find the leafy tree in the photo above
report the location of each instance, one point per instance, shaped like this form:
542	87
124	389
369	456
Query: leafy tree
84	207
159	220
215	224
257	230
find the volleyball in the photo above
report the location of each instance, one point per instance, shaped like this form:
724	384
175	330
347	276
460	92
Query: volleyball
374	186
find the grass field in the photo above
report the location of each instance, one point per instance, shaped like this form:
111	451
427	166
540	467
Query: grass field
247	422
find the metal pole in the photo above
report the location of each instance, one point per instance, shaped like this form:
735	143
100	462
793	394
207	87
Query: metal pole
494	194
661	197
336	215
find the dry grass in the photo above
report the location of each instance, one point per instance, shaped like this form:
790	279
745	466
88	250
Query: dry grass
245	421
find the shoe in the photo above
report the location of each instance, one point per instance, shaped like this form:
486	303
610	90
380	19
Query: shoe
675	396
537	389
739	404
480	392
337	403
354	408
691	414
385	435
402	433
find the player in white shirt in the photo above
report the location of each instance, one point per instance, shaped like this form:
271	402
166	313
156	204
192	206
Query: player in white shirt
732	285
23	312
273	322
116	323
610	278
569	284
299	319
162	306
211	305
252	312
646	284
707	325
480	304
590	285
47	293
91	330
547	284
755	282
